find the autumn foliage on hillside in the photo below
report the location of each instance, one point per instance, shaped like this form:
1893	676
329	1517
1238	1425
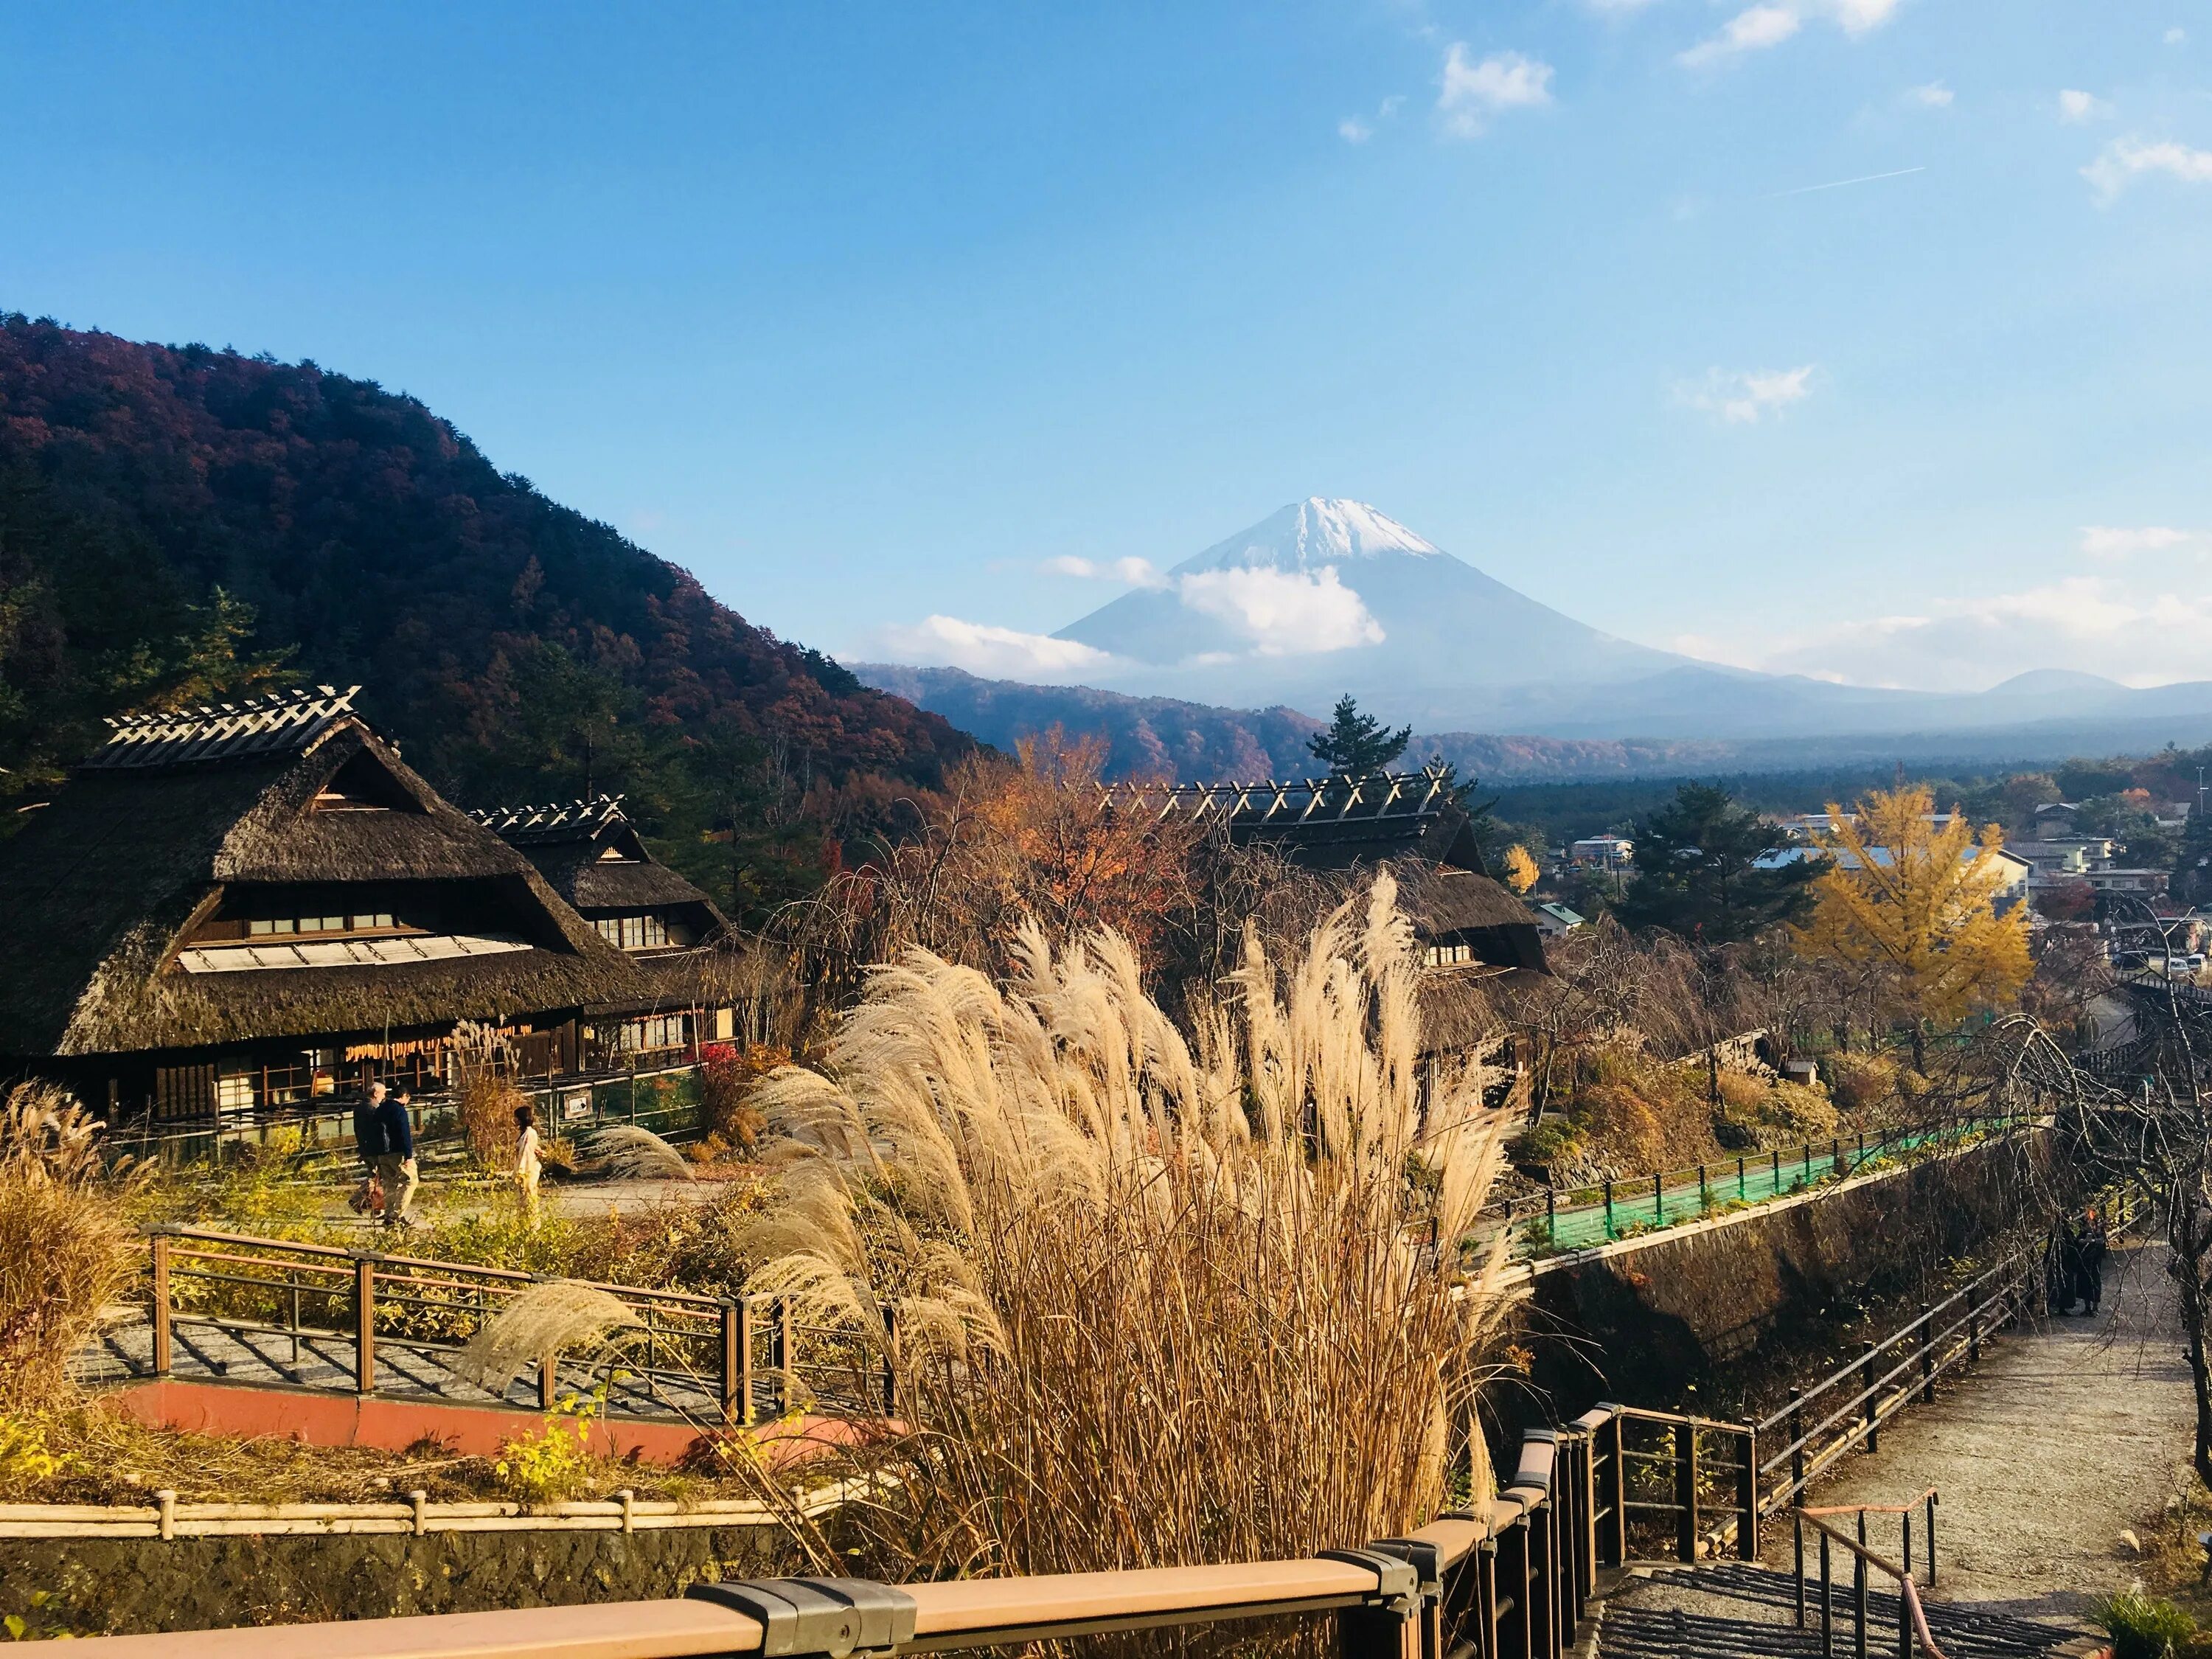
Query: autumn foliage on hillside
178	523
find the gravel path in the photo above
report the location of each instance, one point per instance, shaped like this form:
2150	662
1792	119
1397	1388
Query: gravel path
2066	1434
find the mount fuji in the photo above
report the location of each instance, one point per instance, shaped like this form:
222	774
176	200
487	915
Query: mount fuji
1328	595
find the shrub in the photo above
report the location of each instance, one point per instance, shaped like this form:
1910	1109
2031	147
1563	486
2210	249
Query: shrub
556	1464
26	1460
63	1229
728	1076
1551	1144
2145	1627
1858	1083
1159	1301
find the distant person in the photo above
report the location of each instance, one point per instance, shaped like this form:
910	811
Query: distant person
368	1143
526	1166
2089	1260
395	1157
2061	1269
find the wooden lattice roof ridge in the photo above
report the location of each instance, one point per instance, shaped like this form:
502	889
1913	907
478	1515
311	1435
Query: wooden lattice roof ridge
1285	801
275	723
575	820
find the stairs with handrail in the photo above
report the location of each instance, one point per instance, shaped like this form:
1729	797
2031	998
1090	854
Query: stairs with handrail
1737	1610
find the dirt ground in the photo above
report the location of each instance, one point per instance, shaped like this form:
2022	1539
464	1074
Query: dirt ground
2067	1435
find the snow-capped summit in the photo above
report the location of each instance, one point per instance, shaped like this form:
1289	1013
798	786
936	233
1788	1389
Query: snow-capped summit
1325	596
1308	535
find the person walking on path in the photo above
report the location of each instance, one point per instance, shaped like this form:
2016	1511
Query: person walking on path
2091	1242
395	1158
526	1166
368	1144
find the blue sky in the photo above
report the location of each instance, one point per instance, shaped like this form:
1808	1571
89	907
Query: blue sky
868	313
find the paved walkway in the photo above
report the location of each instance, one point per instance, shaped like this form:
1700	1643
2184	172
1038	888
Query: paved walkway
2066	1434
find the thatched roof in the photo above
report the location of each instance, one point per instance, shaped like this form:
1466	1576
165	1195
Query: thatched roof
1328	823
1447	903
570	844
102	886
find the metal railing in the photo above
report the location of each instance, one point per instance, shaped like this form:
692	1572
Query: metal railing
1912	1618
735	1360
1575	1217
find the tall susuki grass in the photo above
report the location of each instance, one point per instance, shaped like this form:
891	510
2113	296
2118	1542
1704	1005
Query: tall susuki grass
1159	1300
63	1232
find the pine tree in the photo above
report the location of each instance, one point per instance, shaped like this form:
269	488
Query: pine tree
1356	743
1698	873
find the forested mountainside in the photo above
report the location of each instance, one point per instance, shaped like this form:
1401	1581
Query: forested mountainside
179	524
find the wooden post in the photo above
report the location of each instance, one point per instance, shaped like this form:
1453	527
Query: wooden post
1872	1410
745	1361
1777	1170
1686	1490
1747	1499
786	1396
549	1380
1927	1355
1796	1445
1551	1213
890	1359
1931	1541
1742	1188
1659	1200
364	1323
160	1296
732	1365
1974	1323
1859	1596
1705	1191
1615	1490
1608	1206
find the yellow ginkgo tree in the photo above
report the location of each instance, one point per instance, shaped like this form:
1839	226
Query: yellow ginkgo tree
1916	899
1520	868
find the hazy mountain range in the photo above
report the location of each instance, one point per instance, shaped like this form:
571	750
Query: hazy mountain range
1226	660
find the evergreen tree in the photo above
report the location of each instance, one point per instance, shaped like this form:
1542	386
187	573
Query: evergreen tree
1697	871
1356	743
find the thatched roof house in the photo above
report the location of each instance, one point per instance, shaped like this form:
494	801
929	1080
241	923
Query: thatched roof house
223	892
592	856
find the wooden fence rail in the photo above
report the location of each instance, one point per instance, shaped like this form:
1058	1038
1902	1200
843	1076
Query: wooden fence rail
739	1358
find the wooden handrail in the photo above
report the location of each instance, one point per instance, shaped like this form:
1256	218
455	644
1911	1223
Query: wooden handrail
1905	1507
1906	1589
610	1630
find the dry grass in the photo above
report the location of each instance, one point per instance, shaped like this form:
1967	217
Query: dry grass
485	1094
545	1320
64	1230
628	1152
1159	1302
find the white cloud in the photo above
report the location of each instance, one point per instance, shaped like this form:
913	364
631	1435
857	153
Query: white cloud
1616	8
1745	396
2126	159
2074	104
1934	95
995	653
1389	107
1473	93
2112	542
2128	629
1137	573
1284	612
1353	131
2176	35
1770	23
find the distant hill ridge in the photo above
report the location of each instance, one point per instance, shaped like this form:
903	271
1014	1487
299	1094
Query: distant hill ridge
1196	742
